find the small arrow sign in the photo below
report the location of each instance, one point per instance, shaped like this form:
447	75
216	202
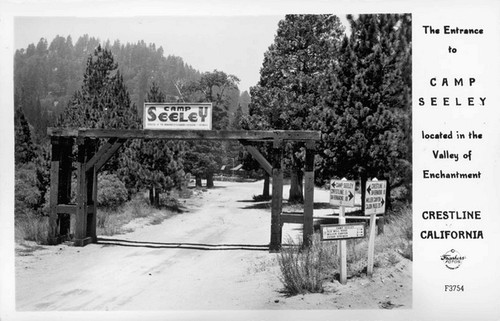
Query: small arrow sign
375	197
342	192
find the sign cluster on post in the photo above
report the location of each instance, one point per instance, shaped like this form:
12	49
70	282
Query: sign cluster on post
342	194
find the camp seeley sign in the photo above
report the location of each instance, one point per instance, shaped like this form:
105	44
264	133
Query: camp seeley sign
178	116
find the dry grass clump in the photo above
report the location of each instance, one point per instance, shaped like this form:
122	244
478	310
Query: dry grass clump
304	269
32	227
398	234
111	221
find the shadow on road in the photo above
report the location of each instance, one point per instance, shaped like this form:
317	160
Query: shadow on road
267	205
186	246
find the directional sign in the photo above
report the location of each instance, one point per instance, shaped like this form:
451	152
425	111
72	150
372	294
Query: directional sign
342	231
375	197
342	192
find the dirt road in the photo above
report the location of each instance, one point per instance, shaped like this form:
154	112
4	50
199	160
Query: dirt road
215	256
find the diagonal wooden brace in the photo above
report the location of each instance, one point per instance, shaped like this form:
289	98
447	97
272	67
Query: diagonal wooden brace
104	153
258	157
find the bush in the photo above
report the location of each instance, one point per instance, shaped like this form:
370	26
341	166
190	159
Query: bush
27	195
111	191
304	269
110	223
169	202
261	198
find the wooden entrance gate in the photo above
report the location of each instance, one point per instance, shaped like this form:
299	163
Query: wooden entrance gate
77	222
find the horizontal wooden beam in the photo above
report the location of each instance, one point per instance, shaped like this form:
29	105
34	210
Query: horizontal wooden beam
292	218
298	217
348	217
66	209
71	209
256	135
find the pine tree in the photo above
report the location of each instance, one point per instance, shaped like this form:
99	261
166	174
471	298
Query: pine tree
103	101
154	164
287	95
367	102
24	149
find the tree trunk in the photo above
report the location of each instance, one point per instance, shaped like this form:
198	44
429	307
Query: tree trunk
210	180
198	181
296	193
388	203
363	178
157	198
265	190
151	196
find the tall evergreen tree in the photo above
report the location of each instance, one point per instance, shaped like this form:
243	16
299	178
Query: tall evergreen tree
154	164
24	149
287	95
103	101
367	111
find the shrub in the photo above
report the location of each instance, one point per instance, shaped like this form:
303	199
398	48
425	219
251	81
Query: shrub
304	269
27	195
111	191
169	202
139	206
110	222
261	198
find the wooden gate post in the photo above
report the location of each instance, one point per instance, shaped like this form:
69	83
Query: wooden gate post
91	190
66	168
55	162
81	235
277	194
308	194
93	221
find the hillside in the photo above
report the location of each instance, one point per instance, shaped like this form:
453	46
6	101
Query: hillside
46	75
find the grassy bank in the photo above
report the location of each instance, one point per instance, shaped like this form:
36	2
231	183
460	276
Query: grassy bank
110	220
305	270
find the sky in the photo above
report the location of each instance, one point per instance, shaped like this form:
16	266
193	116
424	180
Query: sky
233	44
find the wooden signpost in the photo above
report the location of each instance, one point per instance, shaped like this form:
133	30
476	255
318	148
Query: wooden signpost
374	204
342	195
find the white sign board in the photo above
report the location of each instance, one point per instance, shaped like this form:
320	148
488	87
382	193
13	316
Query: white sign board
342	192
375	197
342	231
178	116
